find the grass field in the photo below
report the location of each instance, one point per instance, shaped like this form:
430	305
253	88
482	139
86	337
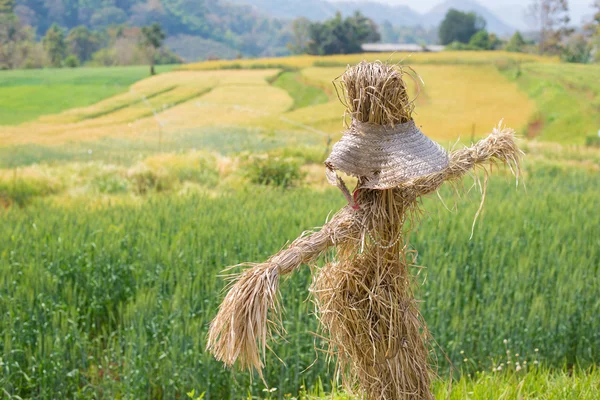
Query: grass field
568	101
118	215
116	297
26	95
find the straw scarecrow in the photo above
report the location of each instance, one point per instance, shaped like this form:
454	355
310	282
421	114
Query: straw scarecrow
364	295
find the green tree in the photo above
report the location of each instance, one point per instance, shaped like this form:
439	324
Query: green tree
72	61
83	43
150	41
10	35
458	26
480	40
483	40
341	36
54	43
7	6
516	43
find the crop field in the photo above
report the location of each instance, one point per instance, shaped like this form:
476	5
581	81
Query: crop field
26	95
119	212
568	101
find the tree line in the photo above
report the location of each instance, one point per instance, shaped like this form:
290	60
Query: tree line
458	31
116	24
59	48
111	43
466	31
337	35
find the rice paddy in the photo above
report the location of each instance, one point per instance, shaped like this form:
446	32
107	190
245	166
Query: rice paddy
118	215
26	94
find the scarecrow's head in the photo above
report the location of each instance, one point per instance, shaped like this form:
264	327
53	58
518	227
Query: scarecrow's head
383	146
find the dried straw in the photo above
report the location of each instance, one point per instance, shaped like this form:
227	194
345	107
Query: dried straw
240	330
376	93
365	300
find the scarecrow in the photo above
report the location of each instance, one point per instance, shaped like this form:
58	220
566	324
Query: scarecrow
364	294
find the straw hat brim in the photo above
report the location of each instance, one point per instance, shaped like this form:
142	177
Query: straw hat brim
385	156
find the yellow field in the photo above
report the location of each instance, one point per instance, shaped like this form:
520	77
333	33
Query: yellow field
176	100
464	95
455	101
305	61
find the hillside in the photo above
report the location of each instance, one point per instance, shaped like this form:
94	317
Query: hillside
230	28
206	29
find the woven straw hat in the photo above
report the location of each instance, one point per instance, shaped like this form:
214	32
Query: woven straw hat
384	156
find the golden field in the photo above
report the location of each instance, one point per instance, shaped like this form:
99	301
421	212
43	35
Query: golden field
463	95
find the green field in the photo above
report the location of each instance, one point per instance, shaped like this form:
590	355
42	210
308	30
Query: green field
114	231
117	297
568	98
26	94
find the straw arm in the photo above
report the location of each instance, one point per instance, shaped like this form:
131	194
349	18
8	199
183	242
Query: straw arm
251	312
311	245
499	146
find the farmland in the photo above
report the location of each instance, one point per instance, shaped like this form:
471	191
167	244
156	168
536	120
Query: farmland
26	95
119	212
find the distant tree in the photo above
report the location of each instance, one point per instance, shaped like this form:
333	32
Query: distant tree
341	36
592	29
7	6
72	61
109	16
363	30
54	43
151	39
516	43
63	12
18	48
300	35
83	43
552	19
577	50
458	26
480	40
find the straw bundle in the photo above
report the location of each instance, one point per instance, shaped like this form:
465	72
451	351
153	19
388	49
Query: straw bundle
365	298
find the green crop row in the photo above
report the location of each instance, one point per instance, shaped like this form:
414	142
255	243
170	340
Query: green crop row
113	301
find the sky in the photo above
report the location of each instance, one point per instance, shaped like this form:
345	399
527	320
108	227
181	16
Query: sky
511	11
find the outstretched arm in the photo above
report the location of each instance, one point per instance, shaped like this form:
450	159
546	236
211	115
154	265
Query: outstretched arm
241	328
499	146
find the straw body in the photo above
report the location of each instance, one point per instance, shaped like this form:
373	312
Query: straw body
365	297
367	307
